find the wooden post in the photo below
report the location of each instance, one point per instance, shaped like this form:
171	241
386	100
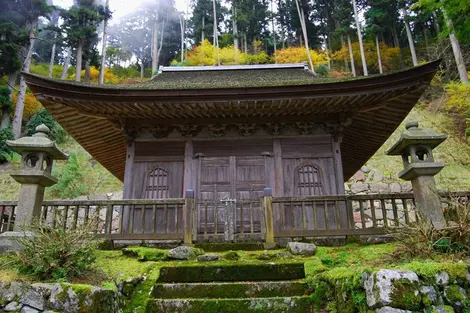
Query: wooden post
268	212
189	206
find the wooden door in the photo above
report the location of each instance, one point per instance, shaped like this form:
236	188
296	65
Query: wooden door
232	177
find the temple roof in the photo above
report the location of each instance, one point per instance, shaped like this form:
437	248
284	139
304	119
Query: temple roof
97	115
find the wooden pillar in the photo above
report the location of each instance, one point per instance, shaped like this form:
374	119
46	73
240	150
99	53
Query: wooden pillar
338	163
188	216
278	169
188	166
269	216
128	184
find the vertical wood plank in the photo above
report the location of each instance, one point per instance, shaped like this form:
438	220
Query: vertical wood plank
337	217
165	217
372	210
304	217
395	212
10	217
327	215
384	213
405	209
315	220
128	182
363	217
131	217
142	218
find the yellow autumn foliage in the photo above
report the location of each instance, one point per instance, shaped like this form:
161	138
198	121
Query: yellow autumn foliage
109	77
299	55
31	104
207	54
390	56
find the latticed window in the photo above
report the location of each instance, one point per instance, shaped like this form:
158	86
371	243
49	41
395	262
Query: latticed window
309	181
158	185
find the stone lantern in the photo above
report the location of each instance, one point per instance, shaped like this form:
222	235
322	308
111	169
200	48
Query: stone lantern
35	173
415	147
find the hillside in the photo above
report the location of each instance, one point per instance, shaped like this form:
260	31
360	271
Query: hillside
454	152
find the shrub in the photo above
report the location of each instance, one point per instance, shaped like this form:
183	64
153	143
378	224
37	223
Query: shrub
72	179
55	252
422	239
322	70
43	117
5	151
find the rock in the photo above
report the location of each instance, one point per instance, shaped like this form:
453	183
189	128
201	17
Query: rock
208	257
406	187
284	255
442	278
359	187
387	309
300	248
365	169
395	187
380	188
375	177
12	291
431	293
27	309
181	253
359	176
454	294
440	309
9	240
76	298
12	306
379	286
34	299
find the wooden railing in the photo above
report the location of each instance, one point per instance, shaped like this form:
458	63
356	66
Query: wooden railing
7	215
228	220
341	215
266	218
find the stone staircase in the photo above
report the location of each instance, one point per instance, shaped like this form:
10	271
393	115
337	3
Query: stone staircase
240	288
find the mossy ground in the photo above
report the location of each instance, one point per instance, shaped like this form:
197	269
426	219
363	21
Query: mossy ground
331	272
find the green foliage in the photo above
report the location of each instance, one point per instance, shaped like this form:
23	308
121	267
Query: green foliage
5	151
322	70
5	102
55	252
146	254
231	255
422	238
72	179
42	116
459	102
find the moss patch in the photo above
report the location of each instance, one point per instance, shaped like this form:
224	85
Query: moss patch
146	254
428	269
232	272
405	295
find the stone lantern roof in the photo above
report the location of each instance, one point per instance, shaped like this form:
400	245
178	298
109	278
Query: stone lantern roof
39	142
416	136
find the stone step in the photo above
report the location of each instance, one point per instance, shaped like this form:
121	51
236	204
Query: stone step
231	272
259	305
238	289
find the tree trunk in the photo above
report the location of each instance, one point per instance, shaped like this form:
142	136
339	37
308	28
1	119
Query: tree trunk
203	26
351	56
327	42
78	69
426	41
18	118
162	35
345	58
436	23
410	38
216	33
142	68
274	32
457	51
359	35
66	62
103	48
300	10
87	76
51	64
235	26
155	45
182	27
245	42
379	58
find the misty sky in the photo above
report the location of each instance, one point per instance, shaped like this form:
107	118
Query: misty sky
122	7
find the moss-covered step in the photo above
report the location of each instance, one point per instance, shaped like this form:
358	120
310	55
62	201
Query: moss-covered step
215	290
258	305
231	272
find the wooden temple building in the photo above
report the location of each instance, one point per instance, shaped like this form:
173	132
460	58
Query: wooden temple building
229	132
